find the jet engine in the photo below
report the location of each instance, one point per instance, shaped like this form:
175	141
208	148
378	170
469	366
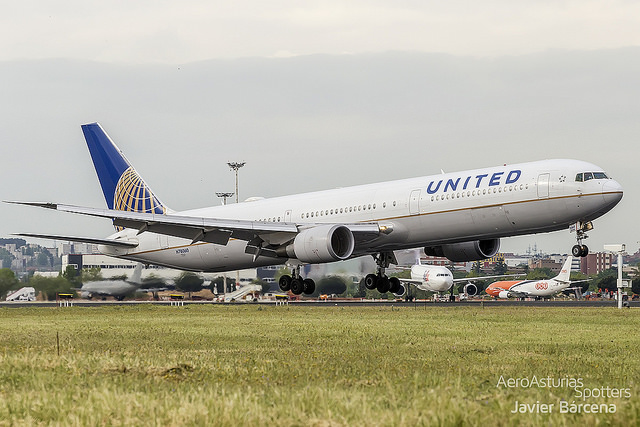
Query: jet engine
469	288
465	251
324	243
504	294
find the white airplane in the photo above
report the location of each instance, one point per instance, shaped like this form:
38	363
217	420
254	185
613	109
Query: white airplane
439	279
533	288
461	216
114	288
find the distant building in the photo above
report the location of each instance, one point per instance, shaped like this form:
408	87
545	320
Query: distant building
268	273
444	262
545	263
595	263
514	261
67	248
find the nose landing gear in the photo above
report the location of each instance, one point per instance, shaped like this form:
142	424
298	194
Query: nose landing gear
581	228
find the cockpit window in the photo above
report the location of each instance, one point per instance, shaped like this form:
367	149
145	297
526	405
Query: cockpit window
586	176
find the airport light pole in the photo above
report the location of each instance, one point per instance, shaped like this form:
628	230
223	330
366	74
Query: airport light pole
619	249
224	196
235	166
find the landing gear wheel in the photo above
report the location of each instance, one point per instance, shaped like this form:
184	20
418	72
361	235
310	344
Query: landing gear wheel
285	283
370	281
297	286
383	284
579	251
309	286
380	281
394	285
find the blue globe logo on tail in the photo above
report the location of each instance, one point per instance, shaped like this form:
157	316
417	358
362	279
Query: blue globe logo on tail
122	187
133	195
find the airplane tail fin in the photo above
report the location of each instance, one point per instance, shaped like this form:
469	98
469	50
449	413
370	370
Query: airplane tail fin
565	272
136	277
123	188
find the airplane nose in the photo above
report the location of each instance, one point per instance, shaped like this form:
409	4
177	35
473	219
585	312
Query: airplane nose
612	192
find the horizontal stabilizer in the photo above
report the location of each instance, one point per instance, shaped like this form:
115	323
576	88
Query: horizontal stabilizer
106	242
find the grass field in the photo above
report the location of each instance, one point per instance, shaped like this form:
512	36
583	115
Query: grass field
266	365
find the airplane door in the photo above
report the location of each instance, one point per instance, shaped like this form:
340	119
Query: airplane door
543	186
287	215
414	202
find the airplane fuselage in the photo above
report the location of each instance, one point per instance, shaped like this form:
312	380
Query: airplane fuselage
489	203
114	288
532	288
432	278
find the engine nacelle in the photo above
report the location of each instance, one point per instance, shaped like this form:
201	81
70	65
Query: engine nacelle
324	243
470	289
465	251
504	294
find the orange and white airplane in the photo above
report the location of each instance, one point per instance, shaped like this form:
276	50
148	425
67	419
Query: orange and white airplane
533	288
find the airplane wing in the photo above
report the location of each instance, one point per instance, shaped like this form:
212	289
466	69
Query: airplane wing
467	279
107	242
203	229
577	281
412	281
473	279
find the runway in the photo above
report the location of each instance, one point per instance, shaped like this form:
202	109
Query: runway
342	303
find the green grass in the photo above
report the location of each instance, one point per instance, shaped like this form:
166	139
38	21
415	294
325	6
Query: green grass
266	365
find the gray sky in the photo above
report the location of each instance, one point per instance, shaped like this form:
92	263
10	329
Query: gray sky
312	97
175	32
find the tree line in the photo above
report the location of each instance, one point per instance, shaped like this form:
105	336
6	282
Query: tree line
70	280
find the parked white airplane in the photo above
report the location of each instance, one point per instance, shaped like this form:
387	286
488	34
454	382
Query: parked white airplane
533	288
459	215
114	288
436	278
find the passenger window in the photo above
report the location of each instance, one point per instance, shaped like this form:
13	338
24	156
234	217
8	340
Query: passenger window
579	177
588	176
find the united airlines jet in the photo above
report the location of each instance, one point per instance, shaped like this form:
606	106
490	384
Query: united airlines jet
461	216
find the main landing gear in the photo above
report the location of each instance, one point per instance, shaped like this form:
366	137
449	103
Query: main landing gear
581	228
295	283
380	281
